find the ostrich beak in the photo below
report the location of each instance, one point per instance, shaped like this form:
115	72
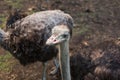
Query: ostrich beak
53	40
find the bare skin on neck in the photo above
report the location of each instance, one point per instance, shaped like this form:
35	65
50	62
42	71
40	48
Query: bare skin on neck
60	36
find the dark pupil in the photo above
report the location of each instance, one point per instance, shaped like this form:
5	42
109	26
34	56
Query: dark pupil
64	36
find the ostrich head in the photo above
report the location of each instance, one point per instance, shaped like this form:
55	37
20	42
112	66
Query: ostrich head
60	34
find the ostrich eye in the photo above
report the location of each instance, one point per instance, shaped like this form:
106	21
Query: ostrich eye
65	35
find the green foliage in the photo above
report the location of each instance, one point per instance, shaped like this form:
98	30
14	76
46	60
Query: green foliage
3	20
14	3
5	63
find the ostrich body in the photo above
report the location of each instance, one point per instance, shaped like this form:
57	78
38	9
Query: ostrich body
61	36
25	38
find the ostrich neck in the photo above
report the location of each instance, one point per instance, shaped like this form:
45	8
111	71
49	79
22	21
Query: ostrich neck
64	60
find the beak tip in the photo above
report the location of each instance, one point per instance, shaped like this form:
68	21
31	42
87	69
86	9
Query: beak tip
48	43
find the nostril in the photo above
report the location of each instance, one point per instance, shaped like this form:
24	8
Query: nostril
54	40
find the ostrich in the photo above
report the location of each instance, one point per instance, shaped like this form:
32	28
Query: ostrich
61	36
26	38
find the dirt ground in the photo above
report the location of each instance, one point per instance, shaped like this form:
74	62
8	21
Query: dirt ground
96	21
